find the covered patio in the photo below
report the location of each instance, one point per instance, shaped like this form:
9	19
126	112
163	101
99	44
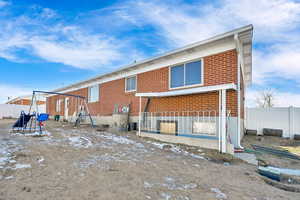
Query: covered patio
204	128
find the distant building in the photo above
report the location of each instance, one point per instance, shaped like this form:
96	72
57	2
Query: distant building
25	100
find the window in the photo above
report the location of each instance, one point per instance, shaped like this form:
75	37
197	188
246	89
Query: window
58	105
186	74
130	84
93	93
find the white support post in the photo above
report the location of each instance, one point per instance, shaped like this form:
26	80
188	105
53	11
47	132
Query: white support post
220	124
223	126
140	116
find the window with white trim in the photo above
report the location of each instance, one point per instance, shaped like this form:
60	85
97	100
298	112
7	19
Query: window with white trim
186	74
130	84
93	93
58	105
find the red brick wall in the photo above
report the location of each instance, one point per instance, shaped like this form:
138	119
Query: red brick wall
218	69
25	102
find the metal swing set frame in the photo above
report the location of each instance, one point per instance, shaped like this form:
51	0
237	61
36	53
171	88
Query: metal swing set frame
36	119
79	111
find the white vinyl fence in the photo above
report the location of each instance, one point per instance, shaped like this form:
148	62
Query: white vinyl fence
13	111
287	119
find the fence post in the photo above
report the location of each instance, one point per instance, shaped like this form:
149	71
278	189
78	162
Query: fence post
291	121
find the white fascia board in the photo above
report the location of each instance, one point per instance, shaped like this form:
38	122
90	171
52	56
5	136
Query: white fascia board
148	62
196	90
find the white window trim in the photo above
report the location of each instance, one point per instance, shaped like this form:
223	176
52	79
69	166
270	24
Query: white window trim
187	86
89	99
135	84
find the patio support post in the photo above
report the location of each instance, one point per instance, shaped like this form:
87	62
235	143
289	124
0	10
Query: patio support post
220	122
223	126
140	116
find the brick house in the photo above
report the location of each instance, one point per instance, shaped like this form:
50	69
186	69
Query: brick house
25	100
196	92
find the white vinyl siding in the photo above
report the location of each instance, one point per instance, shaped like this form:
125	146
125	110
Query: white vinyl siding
93	93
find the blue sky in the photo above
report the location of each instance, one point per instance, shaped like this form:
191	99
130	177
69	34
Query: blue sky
49	44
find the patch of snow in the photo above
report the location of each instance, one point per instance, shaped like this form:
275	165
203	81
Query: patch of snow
147	184
4	160
171	184
7	148
176	149
22	166
41	159
80	141
166	196
37	133
94	160
219	194
121	140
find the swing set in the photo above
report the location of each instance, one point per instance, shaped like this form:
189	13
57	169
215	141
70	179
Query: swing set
36	120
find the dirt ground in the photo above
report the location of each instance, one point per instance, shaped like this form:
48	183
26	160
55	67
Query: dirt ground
86	164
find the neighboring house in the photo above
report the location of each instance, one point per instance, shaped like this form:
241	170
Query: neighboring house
25	100
196	92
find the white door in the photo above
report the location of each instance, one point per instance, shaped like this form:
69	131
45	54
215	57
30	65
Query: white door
66	108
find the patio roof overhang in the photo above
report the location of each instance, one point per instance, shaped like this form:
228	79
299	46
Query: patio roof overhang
189	91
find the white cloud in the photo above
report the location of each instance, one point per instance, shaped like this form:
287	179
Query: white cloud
3	3
193	22
281	60
12	91
79	50
58	42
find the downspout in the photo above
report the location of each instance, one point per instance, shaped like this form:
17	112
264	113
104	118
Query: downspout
237	43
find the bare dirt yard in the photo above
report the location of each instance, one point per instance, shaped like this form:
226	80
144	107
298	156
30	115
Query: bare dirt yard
84	163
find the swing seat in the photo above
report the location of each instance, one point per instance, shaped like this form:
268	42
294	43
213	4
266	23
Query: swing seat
43	117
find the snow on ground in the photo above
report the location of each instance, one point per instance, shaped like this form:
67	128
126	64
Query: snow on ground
170	183
219	194
44	133
175	149
22	166
80	142
7	148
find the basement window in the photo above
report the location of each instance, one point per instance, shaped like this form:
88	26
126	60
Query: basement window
187	74
93	94
130	84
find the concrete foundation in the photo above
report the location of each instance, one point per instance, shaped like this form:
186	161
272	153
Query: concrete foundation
199	142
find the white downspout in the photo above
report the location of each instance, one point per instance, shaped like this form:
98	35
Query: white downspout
237	42
220	121
140	116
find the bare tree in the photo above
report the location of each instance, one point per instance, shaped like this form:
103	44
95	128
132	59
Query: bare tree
265	99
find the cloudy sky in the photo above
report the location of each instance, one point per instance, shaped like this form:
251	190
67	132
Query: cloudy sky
50	44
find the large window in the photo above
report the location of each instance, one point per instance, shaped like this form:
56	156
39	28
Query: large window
94	93
130	84
58	105
186	74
